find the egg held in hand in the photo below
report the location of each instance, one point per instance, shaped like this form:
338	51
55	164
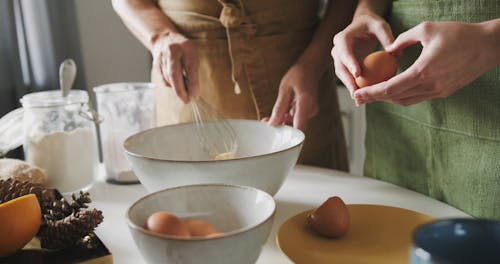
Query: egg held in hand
331	219
167	224
377	67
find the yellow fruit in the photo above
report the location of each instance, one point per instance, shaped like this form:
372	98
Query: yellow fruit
377	67
20	220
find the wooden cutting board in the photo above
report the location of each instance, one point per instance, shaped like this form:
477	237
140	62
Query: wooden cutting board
90	251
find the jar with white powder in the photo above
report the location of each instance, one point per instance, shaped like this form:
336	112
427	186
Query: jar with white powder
60	137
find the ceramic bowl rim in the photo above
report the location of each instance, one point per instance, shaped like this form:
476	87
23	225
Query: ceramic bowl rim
129	152
424	249
235	232
451	221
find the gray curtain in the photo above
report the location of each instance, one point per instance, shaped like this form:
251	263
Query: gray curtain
36	36
11	79
51	32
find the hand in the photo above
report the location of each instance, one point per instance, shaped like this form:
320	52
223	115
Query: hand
297	100
453	55
355	42
178	64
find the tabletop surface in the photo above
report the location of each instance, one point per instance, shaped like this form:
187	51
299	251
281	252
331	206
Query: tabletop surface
305	188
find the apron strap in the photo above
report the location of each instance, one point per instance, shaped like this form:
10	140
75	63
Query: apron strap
234	18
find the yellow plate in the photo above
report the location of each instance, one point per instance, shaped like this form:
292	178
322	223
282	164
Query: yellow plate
377	234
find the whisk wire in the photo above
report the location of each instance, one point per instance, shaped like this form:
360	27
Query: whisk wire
214	133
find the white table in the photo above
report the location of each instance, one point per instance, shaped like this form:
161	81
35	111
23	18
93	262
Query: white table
305	188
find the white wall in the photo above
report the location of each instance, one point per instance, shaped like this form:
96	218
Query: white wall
110	51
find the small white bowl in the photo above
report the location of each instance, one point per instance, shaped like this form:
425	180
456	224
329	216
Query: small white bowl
244	214
170	156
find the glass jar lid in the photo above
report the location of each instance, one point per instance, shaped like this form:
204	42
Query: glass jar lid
54	98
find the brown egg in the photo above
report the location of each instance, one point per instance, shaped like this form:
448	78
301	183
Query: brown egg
167	224
200	228
377	67
214	235
331	219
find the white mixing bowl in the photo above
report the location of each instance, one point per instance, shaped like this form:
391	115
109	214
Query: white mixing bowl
170	156
243	214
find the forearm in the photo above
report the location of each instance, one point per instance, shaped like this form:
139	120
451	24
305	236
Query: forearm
144	19
367	7
491	32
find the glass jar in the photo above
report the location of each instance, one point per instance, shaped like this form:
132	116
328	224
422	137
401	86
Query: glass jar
127	108
59	136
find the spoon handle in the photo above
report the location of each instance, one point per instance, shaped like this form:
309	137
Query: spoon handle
67	75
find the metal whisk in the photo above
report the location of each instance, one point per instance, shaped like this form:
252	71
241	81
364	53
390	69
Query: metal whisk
215	134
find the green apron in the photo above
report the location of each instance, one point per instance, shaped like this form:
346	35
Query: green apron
449	148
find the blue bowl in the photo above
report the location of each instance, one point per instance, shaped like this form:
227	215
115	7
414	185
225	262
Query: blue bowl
457	241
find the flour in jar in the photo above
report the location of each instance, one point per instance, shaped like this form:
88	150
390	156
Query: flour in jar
69	159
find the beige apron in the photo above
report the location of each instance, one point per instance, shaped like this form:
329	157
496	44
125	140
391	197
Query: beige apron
246	47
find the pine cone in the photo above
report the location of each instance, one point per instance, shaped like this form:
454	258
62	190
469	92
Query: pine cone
11	189
81	201
66	232
60	209
56	210
63	223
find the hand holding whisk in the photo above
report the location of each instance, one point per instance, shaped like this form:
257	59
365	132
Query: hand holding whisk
213	131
